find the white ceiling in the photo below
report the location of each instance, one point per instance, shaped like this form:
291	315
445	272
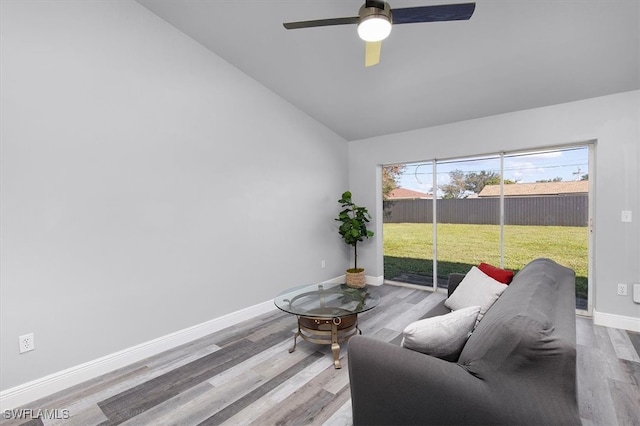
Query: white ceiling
511	55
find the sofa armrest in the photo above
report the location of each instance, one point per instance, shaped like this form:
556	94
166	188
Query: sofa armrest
395	385
454	280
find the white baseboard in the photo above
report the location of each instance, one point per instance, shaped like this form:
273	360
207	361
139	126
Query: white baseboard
39	388
374	280
616	321
336	280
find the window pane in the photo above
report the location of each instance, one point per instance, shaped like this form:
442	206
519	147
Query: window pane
468	224
407	223
546	211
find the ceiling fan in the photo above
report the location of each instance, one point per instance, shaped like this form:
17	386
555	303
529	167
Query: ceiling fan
376	17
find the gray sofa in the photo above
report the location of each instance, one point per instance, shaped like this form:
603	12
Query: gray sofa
518	367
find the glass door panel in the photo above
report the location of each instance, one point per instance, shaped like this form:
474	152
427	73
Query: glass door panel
546	204
468	224
407	223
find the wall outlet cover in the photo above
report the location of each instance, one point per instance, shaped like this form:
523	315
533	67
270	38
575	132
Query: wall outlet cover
636	293
622	289
26	343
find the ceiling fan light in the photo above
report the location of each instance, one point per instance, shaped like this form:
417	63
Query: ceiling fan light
374	28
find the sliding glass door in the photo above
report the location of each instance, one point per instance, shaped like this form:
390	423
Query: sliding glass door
547	211
408	223
467	226
505	209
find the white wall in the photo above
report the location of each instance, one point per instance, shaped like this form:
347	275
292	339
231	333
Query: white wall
147	185
613	121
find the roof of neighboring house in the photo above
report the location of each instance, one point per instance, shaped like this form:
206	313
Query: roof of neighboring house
539	188
402	194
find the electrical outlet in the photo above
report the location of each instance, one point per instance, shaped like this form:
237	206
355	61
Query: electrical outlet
622	289
323	264
26	343
626	216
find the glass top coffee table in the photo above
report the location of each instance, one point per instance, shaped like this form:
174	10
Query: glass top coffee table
327	313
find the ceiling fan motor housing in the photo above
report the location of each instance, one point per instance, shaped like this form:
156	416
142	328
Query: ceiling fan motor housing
375	21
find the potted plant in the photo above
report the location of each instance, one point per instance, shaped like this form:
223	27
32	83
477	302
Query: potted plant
353	229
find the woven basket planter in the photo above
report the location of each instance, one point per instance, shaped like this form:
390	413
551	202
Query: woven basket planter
355	279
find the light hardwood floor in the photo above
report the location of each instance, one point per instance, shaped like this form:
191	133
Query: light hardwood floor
245	375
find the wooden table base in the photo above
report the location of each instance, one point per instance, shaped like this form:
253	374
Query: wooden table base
327	331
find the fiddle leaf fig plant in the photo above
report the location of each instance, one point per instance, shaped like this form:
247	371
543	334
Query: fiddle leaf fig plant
353	225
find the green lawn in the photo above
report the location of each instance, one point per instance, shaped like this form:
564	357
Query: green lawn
408	247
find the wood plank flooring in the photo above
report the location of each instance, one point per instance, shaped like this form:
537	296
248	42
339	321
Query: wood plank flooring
245	375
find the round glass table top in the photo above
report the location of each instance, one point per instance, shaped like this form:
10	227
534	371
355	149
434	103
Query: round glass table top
327	300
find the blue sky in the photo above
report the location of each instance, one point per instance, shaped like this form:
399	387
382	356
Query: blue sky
569	164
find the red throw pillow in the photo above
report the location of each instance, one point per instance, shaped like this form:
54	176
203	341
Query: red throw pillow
503	275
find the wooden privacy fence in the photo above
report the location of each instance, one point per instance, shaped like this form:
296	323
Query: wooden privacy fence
571	210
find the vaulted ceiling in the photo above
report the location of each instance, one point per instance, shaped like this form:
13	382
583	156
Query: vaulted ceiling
511	55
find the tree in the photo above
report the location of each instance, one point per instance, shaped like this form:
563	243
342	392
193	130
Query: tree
474	182
461	185
390	175
456	187
585	177
496	181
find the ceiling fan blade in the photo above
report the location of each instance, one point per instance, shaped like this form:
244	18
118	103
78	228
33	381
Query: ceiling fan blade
372	53
321	23
442	12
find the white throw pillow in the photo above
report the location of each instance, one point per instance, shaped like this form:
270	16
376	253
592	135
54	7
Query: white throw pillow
475	289
443	336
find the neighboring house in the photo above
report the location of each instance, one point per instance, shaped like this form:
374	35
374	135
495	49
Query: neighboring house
537	189
407	194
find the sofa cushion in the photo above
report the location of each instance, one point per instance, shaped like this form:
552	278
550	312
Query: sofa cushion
503	275
476	289
540	300
442	336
